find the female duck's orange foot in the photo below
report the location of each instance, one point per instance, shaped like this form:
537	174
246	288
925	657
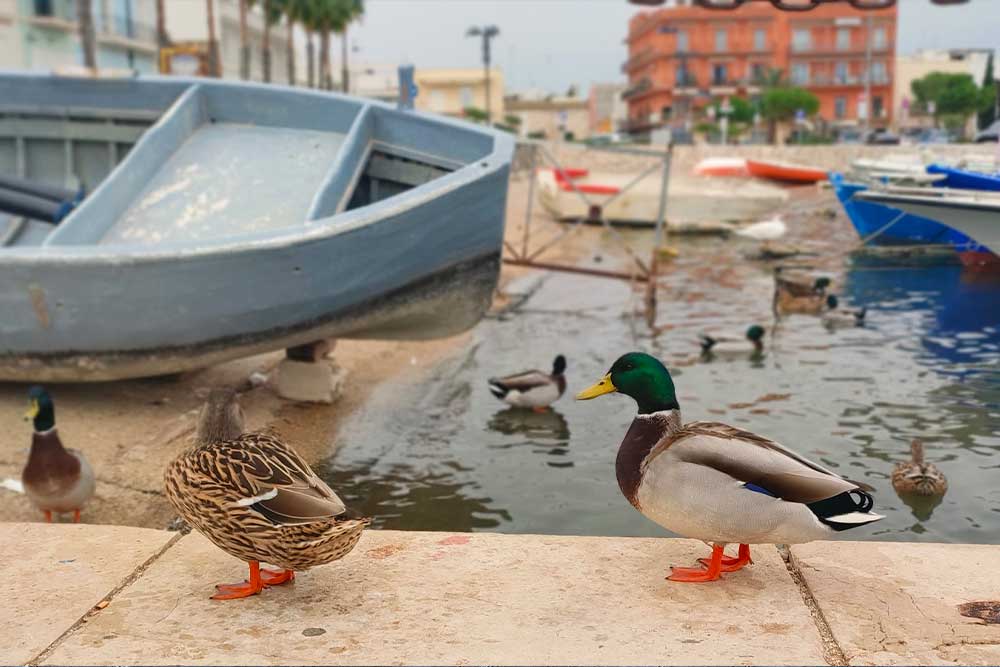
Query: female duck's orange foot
48	516
244	590
732	564
276	577
697	574
540	410
76	516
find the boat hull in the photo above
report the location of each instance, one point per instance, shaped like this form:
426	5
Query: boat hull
980	222
398	237
785	173
961	179
872	221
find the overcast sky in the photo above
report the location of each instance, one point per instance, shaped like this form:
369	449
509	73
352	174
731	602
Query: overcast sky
550	44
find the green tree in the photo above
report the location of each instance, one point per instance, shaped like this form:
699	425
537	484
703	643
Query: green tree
954	96
988	114
475	114
742	110
351	11
781	103
272	15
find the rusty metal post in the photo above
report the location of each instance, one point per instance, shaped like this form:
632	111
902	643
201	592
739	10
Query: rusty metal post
661	224
531	199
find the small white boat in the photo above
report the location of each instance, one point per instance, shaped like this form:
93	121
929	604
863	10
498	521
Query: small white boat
693	205
974	213
722	166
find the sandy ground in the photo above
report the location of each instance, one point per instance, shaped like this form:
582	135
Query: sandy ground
130	430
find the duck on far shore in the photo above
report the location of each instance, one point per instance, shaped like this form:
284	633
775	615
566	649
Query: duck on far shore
55	479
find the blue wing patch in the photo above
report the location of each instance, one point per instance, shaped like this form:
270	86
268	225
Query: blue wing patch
758	489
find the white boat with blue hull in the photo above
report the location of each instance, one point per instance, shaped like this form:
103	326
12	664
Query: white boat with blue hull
244	219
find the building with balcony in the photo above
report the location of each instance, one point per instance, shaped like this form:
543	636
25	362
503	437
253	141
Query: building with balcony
451	91
608	111
917	65
682	56
45	35
549	116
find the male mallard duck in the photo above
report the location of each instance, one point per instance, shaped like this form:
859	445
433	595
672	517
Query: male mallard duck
916	477
257	500
532	389
55	479
718	483
835	317
793	296
751	343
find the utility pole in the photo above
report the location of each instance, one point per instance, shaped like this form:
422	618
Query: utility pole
487	32
868	72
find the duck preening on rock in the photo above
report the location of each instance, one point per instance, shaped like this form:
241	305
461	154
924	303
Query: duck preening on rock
532	389
718	483
917	477
798	296
256	499
55	479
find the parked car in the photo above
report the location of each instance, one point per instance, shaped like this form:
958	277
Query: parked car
882	137
849	135
990	134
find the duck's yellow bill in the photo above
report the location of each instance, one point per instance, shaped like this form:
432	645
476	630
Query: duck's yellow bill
603	386
32	411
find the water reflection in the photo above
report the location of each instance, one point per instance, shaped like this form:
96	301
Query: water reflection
404	497
545	433
921	506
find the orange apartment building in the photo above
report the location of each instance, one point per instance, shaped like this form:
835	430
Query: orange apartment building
681	57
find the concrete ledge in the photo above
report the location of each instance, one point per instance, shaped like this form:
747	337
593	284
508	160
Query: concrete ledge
422	598
405	598
890	603
54	574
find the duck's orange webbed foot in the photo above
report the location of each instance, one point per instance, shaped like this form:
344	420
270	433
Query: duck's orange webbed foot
48	516
732	564
697	574
540	411
76	516
244	590
276	577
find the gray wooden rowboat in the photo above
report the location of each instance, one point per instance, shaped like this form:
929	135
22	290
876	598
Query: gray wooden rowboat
227	219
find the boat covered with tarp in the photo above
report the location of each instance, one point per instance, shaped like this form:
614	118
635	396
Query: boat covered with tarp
224	219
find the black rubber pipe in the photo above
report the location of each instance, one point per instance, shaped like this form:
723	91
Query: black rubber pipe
53	192
30	206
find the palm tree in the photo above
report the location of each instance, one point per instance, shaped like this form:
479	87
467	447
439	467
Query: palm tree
213	45
244	43
297	11
85	19
326	16
352	11
162	39
272	14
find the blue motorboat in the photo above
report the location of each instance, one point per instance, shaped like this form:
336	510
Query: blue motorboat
883	225
964	179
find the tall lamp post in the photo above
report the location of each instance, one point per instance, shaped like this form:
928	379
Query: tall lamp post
487	32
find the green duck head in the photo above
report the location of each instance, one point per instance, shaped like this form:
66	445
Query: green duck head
821	284
755	333
640	376
41	409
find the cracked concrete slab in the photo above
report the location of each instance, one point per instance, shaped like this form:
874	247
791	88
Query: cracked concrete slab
440	598
54	574
897	604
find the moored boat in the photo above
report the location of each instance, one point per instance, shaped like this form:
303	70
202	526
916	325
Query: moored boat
785	172
965	179
975	214
722	166
228	219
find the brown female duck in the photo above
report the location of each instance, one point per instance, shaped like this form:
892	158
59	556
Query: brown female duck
793	296
256	499
55	479
917	477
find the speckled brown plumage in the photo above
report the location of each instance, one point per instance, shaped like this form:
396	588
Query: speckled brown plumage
258	500
917	477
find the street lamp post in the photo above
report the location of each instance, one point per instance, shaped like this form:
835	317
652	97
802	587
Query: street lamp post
487	32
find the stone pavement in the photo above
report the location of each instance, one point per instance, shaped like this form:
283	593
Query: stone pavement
110	595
